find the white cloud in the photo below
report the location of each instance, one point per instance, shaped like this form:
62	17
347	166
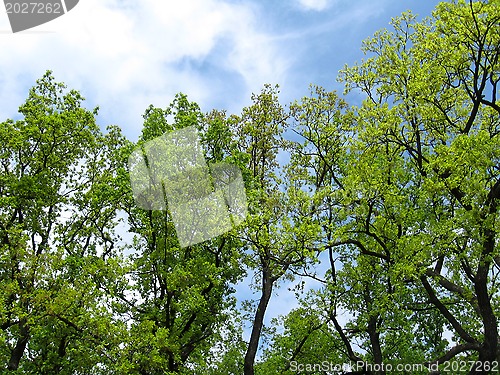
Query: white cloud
125	55
317	5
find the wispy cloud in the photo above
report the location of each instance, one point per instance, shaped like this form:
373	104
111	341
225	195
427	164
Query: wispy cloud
317	5
124	55
129	55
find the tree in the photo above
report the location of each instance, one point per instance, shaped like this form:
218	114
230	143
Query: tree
57	218
276	241
431	123
406	188
319	168
180	297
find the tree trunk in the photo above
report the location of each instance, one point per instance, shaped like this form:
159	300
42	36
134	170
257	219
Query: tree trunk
375	343
17	352
488	354
267	287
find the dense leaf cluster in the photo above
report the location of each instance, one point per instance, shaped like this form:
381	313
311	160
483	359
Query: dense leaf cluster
390	206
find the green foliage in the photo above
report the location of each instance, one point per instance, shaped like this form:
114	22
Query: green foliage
178	298
406	190
397	198
56	215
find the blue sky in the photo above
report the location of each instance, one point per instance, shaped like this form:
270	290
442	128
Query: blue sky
126	54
